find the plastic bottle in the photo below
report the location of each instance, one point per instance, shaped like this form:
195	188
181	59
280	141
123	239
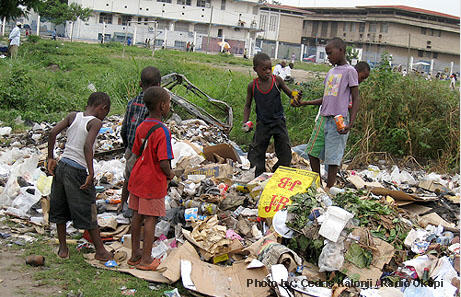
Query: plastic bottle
326	200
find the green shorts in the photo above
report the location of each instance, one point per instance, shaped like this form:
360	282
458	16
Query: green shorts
316	144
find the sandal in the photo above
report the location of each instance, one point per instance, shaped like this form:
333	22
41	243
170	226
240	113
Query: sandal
134	263
150	267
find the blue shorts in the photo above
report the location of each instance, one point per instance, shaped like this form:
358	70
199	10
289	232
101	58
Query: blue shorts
329	148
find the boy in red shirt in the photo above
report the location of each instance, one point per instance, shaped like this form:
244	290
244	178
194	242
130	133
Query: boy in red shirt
148	182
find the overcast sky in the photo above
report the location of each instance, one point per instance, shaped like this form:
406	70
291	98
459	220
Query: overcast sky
446	6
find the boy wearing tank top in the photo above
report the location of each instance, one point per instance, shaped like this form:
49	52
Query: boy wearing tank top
73	196
270	117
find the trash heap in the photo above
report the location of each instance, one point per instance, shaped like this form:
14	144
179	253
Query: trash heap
380	232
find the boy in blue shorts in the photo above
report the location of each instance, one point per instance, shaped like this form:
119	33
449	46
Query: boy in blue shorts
341	84
73	196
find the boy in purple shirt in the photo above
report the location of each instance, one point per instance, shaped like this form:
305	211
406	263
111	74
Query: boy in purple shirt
341	83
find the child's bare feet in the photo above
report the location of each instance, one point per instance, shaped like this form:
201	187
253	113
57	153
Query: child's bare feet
103	256
63	252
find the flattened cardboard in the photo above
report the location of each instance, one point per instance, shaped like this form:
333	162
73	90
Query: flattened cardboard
416	209
171	266
224	150
230	281
434	219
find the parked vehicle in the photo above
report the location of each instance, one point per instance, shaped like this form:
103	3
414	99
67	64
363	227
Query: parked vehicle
311	58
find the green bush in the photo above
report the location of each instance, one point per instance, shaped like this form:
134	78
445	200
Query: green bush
33	38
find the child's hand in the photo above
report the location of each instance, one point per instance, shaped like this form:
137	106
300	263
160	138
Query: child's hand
345	130
51	166
88	182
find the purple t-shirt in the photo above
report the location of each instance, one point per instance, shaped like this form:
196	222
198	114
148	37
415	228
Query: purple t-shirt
338	83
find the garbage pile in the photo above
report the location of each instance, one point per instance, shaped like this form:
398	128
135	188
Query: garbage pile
379	232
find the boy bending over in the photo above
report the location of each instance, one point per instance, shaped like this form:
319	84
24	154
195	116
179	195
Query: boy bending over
73	196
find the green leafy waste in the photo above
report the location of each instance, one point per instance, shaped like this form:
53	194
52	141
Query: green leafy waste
359	256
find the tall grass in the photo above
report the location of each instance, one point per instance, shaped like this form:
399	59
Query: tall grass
401	116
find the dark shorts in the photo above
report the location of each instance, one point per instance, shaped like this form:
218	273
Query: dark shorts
68	202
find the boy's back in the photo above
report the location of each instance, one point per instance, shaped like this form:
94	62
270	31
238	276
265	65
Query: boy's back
136	112
148	180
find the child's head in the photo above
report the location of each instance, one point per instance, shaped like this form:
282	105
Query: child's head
150	77
284	64
100	103
363	70
157	100
291	65
262	65
336	50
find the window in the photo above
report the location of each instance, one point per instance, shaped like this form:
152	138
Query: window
372	27
315	28
440	33
201	28
423	31
273	23
428	54
139	20
159	42
333	29
362	27
164	1
262	21
324	29
203	3
125	19
106	37
181	27
384	27
223	4
420	53
179	44
219	32
146	20
352	27
345	26
255	10
435	55
185	2
105	17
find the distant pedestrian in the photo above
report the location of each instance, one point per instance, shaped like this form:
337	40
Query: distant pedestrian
192	47
187	46
128	41
293	58
14	40
53	35
453	81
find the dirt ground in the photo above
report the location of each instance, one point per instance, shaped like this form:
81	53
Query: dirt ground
18	280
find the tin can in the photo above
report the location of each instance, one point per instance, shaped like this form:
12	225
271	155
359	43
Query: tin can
294	97
247	126
339	120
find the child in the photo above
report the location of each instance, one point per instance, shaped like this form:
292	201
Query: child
341	83
270	118
148	181
73	196
136	112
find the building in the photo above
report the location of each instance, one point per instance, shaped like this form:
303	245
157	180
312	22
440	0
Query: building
177	22
402	31
281	30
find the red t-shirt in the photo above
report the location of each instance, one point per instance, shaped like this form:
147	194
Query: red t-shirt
147	179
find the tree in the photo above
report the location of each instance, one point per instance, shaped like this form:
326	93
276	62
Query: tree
11	9
351	53
55	11
76	12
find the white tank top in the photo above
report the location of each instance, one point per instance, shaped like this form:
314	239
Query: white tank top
76	137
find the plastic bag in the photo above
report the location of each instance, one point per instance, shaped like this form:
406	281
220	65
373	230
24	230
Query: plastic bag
332	256
162	227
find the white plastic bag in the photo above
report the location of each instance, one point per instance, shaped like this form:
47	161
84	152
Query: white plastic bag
332	256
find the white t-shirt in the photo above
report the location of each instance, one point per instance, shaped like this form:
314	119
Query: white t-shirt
15	36
287	71
277	70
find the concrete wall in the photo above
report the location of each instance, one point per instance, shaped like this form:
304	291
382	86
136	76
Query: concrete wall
290	29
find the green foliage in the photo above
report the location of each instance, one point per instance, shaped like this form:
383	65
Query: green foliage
359	256
33	38
351	53
58	12
10	8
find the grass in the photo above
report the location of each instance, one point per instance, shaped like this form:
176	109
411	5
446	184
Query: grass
51	78
75	275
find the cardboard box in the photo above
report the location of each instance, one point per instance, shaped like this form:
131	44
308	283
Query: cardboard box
224	150
213	170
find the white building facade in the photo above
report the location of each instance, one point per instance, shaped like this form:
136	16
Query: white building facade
178	22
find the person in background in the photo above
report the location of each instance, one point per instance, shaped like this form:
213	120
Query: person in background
53	34
278	69
14	40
